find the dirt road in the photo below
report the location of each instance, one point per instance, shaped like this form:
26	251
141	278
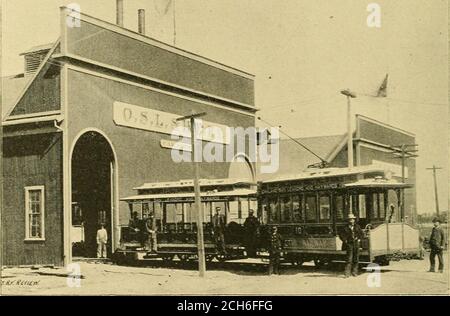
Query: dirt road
403	277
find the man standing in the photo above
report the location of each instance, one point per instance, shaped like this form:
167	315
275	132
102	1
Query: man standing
351	237
251	226
437	243
275	248
102	239
150	227
219	224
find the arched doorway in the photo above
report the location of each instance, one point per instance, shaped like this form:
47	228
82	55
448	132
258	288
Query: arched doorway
92	175
241	168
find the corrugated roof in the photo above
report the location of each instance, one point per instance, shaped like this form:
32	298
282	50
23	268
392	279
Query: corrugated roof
295	159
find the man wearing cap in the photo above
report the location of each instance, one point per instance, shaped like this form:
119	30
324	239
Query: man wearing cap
219	224
437	243
351	237
275	249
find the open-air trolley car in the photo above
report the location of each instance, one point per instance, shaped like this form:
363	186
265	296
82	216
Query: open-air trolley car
173	206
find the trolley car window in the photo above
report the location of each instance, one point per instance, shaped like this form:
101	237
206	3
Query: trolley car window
274	215
311	208
296	209
189	213
137	207
374	213
146	208
362	206
285	207
324	208
382	206
339	206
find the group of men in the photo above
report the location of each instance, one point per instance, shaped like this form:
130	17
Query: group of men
351	236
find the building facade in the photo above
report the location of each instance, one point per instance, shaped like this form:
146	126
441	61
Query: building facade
93	121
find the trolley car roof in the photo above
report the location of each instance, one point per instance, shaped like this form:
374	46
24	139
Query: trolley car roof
190	183
327	172
218	194
378	183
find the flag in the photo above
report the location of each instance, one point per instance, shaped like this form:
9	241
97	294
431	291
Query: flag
382	91
162	6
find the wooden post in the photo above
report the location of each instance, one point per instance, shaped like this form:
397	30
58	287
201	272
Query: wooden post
198	203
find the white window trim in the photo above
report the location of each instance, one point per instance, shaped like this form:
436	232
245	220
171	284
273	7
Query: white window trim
27	212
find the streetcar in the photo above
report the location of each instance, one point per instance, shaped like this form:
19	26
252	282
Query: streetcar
173	207
311	208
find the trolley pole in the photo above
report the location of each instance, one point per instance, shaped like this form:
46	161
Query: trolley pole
349	96
198	203
435	188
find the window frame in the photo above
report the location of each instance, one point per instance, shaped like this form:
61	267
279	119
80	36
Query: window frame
28	189
314	196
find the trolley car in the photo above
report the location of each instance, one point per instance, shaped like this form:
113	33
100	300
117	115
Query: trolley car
172	204
311	208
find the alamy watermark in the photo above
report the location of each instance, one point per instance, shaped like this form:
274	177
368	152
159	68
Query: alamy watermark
228	145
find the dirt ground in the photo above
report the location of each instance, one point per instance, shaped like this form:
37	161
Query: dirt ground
401	277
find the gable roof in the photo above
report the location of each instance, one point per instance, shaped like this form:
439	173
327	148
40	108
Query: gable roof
12	86
22	89
294	159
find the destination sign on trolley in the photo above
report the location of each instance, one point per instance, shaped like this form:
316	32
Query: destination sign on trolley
139	117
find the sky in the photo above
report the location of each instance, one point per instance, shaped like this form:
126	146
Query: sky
302	52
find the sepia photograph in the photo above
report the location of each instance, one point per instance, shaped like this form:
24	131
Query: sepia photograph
224	148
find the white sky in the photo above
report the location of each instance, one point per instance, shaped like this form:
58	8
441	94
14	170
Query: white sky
302	53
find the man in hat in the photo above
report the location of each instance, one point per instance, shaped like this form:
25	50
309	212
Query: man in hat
275	249
251	226
437	243
102	239
219	224
351	237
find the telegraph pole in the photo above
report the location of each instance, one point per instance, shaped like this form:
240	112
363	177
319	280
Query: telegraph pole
198	203
403	152
435	188
349	95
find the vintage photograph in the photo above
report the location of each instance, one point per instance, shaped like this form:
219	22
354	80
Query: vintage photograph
224	147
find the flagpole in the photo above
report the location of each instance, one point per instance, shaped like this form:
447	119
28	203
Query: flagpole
174	24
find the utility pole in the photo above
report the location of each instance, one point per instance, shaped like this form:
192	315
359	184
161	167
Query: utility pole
198	203
349	96
403	152
435	188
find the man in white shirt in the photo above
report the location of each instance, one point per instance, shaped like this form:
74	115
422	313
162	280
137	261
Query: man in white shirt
102	239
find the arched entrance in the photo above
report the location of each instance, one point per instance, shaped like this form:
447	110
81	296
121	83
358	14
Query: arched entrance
241	168
92	175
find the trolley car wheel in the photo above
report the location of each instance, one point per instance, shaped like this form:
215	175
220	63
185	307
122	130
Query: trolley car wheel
319	263
183	258
167	258
221	257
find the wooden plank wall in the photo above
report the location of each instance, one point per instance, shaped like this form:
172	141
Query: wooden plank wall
28	161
